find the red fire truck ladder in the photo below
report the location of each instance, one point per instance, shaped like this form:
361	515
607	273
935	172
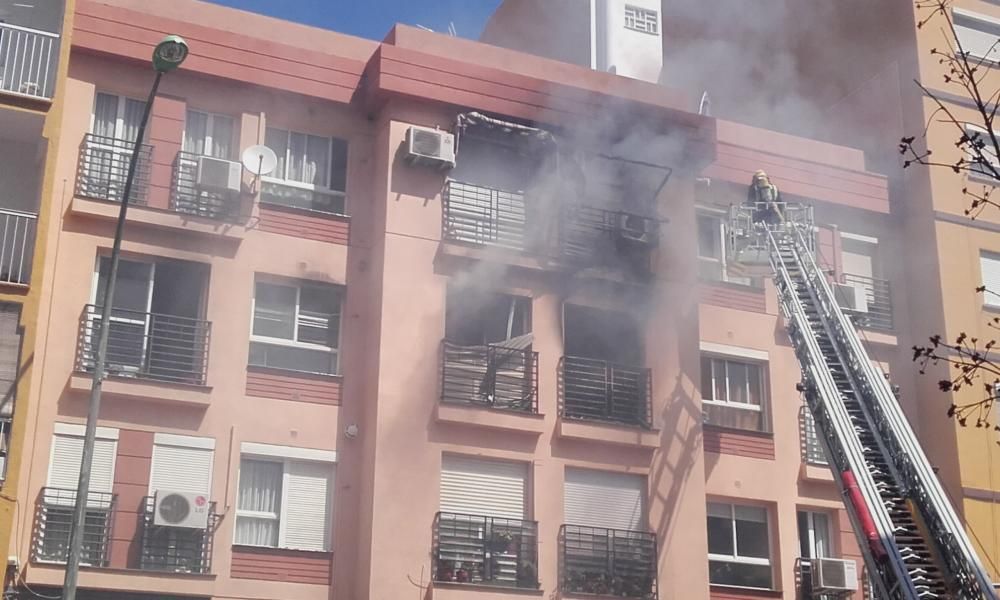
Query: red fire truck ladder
913	543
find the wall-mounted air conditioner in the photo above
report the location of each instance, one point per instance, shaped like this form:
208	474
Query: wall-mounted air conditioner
180	509
851	297
433	147
219	174
834	575
637	230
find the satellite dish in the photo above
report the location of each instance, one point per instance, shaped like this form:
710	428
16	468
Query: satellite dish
259	160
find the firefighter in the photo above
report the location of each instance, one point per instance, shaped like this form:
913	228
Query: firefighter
765	198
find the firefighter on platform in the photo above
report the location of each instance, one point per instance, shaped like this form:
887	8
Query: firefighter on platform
765	198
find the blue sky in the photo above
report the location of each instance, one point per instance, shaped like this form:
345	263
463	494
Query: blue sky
373	18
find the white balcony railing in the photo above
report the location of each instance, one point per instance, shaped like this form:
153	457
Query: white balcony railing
28	60
17	245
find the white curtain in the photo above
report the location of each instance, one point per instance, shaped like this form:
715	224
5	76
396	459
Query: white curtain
133	114
195	132
105	115
258	503
222	136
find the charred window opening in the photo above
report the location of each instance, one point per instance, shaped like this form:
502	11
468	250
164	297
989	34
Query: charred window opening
487	358
602	335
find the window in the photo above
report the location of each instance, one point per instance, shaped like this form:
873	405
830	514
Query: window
732	393
738	546
605	499
814	534
107	150
116	117
989	265
296	327
311	172
712	250
284	498
10	354
642	19
978	34
208	135
475	317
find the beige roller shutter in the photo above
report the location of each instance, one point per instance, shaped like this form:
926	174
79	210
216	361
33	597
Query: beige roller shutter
307	487
182	464
605	499
483	487
67	451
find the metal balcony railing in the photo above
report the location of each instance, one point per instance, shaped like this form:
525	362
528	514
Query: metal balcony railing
601	391
53	519
147	345
17	245
607	562
176	549
492	376
191	199
597	236
484	216
104	166
484	550
809	443
879	295
28	59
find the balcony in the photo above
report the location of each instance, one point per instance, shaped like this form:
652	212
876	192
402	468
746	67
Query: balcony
879	296
809	443
598	390
28	61
485	216
607	562
53	519
490	376
189	198
480	550
104	165
176	549
597	237
145	345
17	245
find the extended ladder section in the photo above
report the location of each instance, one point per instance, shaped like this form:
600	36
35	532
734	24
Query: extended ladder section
914	544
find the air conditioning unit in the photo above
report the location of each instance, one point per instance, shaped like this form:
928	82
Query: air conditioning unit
637	230
834	575
180	509
433	147
219	174
851	297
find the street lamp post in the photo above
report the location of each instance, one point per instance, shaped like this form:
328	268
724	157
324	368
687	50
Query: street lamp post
167	56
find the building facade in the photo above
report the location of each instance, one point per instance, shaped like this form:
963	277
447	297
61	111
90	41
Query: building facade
33	56
378	369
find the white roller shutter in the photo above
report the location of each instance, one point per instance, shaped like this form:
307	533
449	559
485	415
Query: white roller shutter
483	487
603	499
990	266
10	351
306	501
67	452
182	464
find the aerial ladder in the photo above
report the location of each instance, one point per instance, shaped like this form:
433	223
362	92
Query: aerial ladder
913	543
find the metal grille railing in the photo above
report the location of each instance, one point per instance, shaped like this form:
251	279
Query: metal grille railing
147	345
104	165
484	216
6	428
53	521
879	295
809	443
597	236
176	549
491	375
17	245
484	550
602	391
607	562
28	60
191	199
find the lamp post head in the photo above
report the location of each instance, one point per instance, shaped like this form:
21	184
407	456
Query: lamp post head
169	53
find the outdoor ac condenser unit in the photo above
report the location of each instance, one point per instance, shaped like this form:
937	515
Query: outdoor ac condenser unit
180	509
637	229
219	174
834	575
851	297
433	147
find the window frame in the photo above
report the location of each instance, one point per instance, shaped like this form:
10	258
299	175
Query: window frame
282	515
719	215
642	20
811	529
209	131
985	24
283	180
121	101
735	558
294	343
761	378
975	169
991	298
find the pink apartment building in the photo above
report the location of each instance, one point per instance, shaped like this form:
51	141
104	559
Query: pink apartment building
526	374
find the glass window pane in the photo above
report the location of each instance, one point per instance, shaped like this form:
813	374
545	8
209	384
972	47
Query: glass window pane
256	531
737	374
105	115
756	389
274	310
719	376
277	140
751	537
317	161
805	550
195	131
720	535
338	165
821	535
706	379
297	157
741	575
260	486
319	315
292	358
131	285
708	237
222	137
133	115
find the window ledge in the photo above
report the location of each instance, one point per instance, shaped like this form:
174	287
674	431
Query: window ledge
158	219
748	432
490	418
450	589
814	472
322	214
742	287
878	336
283	551
146	390
609	433
293	373
746	591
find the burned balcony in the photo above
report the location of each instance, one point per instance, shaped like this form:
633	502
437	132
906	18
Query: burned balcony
481	550
597	237
607	562
176	549
501	376
53	521
204	187
104	166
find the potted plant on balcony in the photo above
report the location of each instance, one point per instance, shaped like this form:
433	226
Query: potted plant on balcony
461	574
503	541
445	571
527	575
